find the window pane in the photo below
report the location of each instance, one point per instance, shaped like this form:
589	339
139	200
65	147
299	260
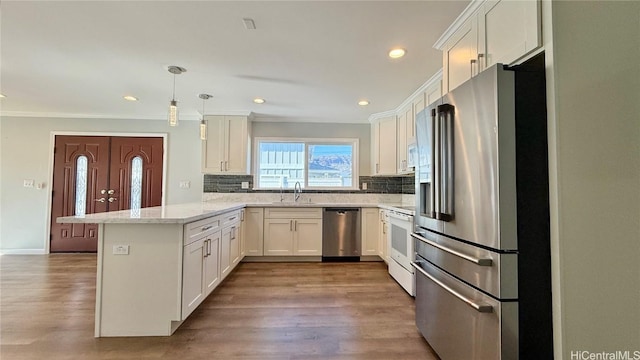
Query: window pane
81	186
280	164
136	183
330	165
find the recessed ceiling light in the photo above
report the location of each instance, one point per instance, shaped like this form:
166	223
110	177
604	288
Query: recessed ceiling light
363	102
2	96
397	53
259	101
130	98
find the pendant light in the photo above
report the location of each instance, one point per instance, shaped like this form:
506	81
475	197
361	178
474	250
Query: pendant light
173	105
203	124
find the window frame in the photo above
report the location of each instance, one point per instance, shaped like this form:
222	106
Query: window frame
355	163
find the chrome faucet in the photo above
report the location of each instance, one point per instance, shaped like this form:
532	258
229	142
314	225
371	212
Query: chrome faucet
297	191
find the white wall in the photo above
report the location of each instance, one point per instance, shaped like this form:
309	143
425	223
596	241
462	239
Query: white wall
325	131
25	154
594	117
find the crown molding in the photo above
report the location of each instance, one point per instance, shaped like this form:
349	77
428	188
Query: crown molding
409	100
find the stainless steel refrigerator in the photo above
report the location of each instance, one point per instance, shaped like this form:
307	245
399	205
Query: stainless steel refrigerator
483	288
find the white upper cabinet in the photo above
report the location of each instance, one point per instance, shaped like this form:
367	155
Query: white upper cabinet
508	30
404	136
489	32
460	55
384	146
227	148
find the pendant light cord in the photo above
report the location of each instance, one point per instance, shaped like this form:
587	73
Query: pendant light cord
174	87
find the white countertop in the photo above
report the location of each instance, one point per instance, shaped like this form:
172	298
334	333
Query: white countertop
185	213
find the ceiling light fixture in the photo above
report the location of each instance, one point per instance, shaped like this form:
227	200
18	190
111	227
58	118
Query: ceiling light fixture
363	102
259	100
130	98
397	53
203	124
173	105
2	96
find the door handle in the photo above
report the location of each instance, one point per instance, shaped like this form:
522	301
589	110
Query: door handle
295	225
290	225
445	210
473	259
479	307
221	166
111	199
101	200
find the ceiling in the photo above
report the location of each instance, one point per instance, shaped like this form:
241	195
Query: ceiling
311	60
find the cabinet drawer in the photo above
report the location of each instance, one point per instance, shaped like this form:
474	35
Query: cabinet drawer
230	218
293	213
194	230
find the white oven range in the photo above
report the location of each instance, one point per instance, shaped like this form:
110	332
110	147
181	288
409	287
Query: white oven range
401	249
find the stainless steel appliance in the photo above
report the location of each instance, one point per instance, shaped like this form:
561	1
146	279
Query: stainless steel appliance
341	234
482	219
401	249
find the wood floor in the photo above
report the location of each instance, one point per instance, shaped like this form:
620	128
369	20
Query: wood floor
261	311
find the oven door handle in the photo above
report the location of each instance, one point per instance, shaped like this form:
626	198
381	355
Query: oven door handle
473	259
483	308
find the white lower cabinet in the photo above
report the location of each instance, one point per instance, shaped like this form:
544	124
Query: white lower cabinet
192	276
369	231
210	252
293	232
253	232
200	263
383	243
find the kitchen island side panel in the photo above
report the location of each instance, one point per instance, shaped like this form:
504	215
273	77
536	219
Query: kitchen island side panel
139	293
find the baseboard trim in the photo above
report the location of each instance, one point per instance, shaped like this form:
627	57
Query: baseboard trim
22	252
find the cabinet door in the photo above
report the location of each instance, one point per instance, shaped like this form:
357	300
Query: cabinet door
375	148
460	55
382	236
307	237
432	94
508	30
369	229
253	232
225	250
193	291
213	153
236	145
234	246
212	262
387	147
278	237
401	142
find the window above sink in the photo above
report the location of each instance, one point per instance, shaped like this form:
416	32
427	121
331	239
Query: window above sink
315	163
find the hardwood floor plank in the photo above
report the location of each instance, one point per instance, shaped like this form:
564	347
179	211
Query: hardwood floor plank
261	311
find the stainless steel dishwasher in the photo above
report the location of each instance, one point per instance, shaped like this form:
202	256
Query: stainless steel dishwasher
341	234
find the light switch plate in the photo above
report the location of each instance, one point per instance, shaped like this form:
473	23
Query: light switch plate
185	184
29	183
120	249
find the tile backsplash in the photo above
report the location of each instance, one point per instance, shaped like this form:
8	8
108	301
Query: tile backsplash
375	185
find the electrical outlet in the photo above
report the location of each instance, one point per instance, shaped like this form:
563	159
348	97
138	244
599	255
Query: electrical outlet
28	183
244	184
120	249
185	184
364	186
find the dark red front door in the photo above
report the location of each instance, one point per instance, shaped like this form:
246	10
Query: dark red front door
95	174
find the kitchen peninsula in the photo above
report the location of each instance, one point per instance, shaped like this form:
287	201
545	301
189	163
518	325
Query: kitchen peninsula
156	265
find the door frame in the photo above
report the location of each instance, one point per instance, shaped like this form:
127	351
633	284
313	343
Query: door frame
52	142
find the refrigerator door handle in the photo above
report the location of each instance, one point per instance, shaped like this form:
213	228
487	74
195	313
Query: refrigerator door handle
435	165
473	259
445	120
479	307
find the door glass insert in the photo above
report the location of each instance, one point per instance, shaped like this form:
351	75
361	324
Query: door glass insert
81	185
136	183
